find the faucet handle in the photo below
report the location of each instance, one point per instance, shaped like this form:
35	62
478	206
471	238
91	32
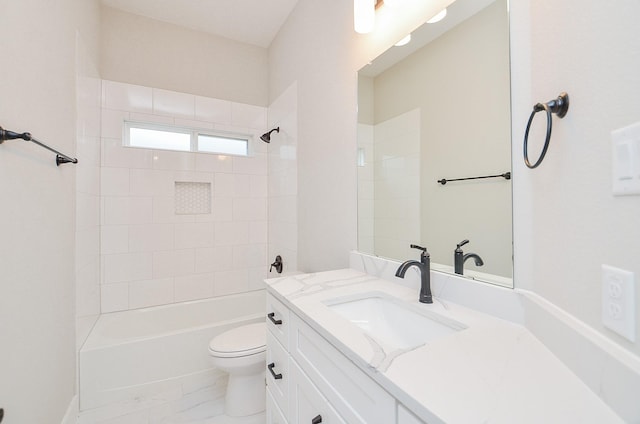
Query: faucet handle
415	246
462	243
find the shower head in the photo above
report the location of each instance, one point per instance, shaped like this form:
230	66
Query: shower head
266	137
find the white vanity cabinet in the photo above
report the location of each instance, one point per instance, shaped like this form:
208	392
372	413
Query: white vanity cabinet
310	381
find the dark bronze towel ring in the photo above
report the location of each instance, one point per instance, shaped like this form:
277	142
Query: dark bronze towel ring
559	106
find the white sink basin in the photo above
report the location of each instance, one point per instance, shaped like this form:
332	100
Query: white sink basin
392	323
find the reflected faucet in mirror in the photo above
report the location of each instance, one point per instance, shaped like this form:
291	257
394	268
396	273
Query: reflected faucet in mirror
425	273
459	258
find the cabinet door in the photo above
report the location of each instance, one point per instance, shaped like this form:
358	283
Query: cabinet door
308	406
356	397
278	320
278	375
274	414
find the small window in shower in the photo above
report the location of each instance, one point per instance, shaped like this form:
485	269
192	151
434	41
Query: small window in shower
223	144
165	137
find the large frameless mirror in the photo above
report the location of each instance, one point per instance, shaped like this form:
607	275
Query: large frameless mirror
438	108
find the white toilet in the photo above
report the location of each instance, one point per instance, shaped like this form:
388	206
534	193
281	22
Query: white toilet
242	353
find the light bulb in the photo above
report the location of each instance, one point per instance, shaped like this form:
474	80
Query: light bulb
364	15
440	16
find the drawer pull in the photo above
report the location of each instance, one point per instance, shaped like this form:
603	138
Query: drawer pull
276	376
271	316
317	420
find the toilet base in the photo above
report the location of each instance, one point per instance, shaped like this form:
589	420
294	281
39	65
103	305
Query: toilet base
246	395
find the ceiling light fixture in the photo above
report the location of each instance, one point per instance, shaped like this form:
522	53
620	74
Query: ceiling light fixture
440	16
364	15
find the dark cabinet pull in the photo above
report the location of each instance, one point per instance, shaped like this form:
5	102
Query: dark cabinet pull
271	316
317	420
276	376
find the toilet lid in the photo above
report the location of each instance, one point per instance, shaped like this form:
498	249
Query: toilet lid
241	341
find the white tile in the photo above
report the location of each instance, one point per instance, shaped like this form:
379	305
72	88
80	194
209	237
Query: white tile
222	209
206	162
212	259
127	97
232	185
258	231
151	237
244	115
113	123
250	255
173	263
213	110
192	123
88	289
115	155
229	282
231	233
249	209
151	182
177	161
257	275
127	210
255	165
87	211
173	104
114	297
127	267
114	181
191	235
258	186
114	239
150	293
164	211
193	287
150	118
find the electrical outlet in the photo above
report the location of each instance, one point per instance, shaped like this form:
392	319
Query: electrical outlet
618	301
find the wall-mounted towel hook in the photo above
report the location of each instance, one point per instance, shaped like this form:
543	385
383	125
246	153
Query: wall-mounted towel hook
10	135
559	106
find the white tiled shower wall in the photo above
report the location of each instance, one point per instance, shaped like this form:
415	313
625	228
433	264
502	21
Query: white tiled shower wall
152	256
87	256
283	180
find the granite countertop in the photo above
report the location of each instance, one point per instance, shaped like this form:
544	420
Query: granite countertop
491	371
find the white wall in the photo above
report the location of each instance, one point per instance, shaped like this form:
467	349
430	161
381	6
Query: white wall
318	49
152	255
566	221
37	291
590	50
143	51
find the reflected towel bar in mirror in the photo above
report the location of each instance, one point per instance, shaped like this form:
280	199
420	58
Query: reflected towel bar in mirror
506	176
10	135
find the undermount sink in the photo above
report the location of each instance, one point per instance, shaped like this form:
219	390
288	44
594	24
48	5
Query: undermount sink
391	323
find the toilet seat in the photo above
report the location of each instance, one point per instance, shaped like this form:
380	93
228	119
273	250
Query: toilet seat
242	341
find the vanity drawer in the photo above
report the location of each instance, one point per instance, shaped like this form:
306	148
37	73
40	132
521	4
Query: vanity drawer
278	320
277	371
339	379
308	406
274	414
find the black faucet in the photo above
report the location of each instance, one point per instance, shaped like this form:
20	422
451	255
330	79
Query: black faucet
459	258
425	270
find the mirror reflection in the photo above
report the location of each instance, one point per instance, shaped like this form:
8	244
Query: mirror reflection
439	108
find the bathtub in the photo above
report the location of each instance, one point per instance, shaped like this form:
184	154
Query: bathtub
160	351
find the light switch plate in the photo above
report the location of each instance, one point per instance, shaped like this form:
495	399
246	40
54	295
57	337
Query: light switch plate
626	160
618	301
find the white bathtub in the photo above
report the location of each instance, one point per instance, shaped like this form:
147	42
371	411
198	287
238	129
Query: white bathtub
154	352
